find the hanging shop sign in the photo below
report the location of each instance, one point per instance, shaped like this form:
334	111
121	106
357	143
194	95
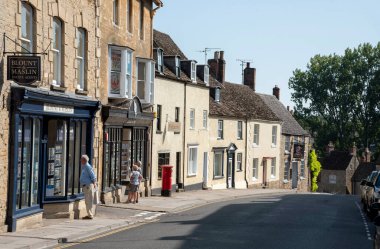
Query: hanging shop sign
24	69
174	126
299	150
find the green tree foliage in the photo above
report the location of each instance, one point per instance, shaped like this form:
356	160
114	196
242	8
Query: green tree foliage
337	97
315	169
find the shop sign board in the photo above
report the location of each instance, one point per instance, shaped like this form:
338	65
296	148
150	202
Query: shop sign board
24	69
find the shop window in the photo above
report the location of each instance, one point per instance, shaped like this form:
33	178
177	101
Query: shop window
145	80
120	75
28	162
57	49
81	59
27	27
163	159
56	167
218	164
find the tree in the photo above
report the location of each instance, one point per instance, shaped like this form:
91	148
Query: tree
337	99
315	169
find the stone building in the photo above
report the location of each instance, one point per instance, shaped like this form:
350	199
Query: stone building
244	139
127	87
181	129
47	124
294	173
338	169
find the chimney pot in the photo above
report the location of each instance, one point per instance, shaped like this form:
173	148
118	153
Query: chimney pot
216	55
276	92
221	55
248	65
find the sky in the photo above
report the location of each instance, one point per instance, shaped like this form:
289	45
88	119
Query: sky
279	36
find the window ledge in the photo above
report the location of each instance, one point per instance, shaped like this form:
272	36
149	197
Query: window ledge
57	88
254	179
81	92
274	146
272	177
285	181
255	145
218	177
302	178
191	175
239	138
220	138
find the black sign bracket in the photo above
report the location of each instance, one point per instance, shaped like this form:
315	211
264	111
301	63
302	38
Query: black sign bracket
17	44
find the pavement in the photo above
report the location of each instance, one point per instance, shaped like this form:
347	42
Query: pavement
110	218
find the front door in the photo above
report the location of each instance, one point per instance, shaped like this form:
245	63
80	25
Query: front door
231	170
264	173
294	174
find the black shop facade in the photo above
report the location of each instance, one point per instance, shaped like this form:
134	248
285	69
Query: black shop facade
49	133
126	139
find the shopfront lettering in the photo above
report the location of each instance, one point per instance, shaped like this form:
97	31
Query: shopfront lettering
24	69
58	109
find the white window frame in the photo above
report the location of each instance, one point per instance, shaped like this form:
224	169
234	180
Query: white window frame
177	66
81	59
27	31
239	161
148	80
129	17
160	60
255	169
56	48
239	129
287	145
115	12
256	134
205	115
192	165
141	21
274	135
220	129
192	118
219	155
206	74
125	73
193	70
273	168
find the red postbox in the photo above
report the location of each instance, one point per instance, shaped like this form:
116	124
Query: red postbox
166	180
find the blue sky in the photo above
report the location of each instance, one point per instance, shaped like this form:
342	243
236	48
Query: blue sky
278	35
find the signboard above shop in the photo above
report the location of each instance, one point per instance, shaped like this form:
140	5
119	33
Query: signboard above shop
298	151
24	69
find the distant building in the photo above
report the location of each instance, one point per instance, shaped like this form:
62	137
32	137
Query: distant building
295	145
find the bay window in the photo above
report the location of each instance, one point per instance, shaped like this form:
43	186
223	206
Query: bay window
120	73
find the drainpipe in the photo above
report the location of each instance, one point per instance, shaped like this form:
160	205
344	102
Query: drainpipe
184	137
246	151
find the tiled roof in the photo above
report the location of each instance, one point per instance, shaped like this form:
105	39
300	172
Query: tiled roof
337	160
290	125
164	41
240	101
363	170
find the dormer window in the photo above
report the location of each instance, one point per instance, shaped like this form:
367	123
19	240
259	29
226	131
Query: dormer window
159	57
177	67
206	75
193	71
217	94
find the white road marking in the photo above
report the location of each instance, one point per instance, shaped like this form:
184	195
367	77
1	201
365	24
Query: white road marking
369	237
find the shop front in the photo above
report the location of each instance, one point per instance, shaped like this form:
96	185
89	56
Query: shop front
49	133
126	140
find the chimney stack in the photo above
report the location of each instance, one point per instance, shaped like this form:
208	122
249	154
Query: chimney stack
218	66
250	77
329	148
276	92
